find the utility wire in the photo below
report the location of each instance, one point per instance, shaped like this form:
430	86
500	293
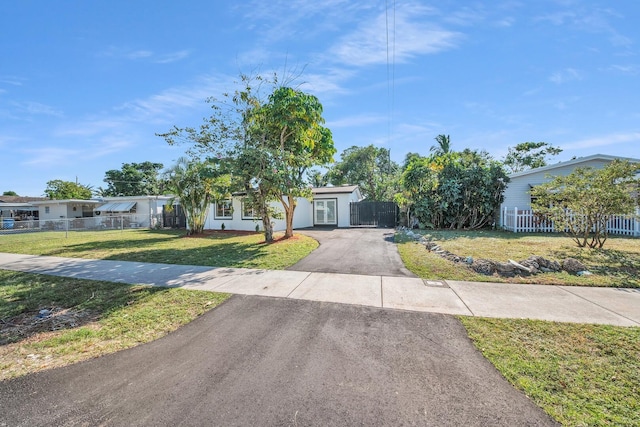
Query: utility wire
391	69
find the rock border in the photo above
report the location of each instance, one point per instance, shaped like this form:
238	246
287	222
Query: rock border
533	265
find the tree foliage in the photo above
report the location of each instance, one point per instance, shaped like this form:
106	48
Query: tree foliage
529	155
9	193
134	179
443	145
455	190
197	184
268	144
58	189
370	168
582	202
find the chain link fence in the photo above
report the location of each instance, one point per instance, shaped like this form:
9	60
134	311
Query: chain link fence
96	223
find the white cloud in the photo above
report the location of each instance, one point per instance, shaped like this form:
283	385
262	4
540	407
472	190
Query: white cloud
12	80
631	69
565	76
605	140
139	54
144	54
172	57
50	156
356	121
409	37
37	108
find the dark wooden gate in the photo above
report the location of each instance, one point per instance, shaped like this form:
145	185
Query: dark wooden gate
174	218
374	214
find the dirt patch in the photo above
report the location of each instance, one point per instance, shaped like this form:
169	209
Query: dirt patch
49	319
280	239
226	233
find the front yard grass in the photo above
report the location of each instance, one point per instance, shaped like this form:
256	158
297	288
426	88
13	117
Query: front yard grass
579	374
617	264
217	249
48	321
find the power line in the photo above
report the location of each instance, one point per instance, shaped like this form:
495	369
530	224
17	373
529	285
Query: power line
391	62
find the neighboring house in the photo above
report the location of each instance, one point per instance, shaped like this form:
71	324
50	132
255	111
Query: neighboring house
19	207
329	207
517	196
148	210
140	211
67	208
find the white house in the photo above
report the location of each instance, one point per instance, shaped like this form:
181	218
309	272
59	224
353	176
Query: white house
67	208
329	206
517	196
147	209
140	211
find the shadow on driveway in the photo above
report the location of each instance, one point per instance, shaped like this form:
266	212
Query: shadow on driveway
277	362
368	251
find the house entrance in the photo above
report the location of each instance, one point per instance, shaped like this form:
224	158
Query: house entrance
324	212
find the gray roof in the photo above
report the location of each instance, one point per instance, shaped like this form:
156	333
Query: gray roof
334	190
575	161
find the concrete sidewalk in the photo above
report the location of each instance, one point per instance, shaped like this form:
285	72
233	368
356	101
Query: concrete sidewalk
611	306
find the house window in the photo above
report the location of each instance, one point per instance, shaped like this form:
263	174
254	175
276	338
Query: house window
46	209
224	209
248	212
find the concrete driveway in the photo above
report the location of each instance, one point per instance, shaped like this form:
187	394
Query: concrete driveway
367	251
277	362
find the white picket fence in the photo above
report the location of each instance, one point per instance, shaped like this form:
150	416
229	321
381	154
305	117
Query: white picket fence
527	221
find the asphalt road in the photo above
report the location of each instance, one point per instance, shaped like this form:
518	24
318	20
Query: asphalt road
368	251
276	362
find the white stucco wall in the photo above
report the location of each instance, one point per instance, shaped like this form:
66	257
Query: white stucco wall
303	216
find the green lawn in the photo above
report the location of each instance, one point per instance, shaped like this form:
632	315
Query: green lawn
582	375
90	318
87	318
617	264
217	249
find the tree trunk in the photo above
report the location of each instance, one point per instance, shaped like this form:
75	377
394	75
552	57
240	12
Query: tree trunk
289	210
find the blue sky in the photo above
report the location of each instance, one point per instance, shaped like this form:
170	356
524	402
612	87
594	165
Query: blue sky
84	86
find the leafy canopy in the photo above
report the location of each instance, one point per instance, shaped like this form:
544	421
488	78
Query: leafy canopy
267	143
133	179
197	184
370	168
529	155
582	202
455	190
58	189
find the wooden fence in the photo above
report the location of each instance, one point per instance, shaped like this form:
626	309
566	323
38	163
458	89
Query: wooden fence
527	221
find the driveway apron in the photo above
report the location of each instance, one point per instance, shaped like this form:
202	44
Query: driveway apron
275	362
366	251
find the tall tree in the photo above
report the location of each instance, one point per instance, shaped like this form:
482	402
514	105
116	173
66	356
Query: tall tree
269	143
455	190
583	201
317	178
197	184
529	155
58	189
443	145
370	168
134	179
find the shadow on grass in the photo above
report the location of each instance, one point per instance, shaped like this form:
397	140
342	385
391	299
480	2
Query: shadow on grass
444	235
212	249
623	266
31	303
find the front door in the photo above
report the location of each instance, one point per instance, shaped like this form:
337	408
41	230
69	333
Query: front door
324	212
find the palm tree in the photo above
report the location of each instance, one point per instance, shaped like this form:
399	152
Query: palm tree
443	147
